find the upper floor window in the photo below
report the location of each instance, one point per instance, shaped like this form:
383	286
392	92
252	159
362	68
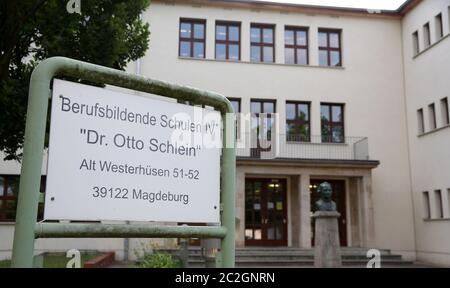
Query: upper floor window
262	41
236	103
432	116
426	205
296	45
420	121
444	111
332	118
415	36
262	117
228	41
192	38
439	204
426	35
439	27
330	47
298	125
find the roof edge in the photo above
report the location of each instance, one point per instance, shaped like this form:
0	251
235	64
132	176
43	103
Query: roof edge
407	6
305	8
288	7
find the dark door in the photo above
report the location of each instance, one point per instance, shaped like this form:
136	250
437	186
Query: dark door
338	197
262	124
265	212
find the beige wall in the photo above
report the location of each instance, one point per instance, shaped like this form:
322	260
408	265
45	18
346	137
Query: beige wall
370	84
12	167
427	81
59	245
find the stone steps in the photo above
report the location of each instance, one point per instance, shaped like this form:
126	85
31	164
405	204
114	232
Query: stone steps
284	257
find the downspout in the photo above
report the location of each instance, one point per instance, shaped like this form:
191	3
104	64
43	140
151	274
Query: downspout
126	241
407	137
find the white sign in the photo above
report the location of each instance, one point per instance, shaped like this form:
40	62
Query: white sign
117	156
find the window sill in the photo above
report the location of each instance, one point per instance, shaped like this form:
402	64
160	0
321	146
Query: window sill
263	63
435	219
431	46
434	131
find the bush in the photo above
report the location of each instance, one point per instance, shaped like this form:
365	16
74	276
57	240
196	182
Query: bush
5	263
160	260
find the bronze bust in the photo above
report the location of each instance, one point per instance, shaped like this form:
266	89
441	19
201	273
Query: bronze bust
325	203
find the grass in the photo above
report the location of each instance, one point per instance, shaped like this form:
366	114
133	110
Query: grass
57	260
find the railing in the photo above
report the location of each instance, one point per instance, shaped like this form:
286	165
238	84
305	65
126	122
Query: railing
284	146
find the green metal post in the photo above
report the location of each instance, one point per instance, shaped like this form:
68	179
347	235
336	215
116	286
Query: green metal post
39	95
228	170
27	207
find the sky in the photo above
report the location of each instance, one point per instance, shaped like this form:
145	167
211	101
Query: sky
369	4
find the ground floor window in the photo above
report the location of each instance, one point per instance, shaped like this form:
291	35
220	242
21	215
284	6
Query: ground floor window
9	191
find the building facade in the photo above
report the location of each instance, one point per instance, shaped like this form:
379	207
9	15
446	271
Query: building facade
340	95
426	57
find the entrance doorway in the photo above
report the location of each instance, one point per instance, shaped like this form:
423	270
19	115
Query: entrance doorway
265	212
338	187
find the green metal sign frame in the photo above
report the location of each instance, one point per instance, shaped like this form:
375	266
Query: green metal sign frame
27	228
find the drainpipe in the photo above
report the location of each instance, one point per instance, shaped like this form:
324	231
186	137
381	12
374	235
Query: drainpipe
126	241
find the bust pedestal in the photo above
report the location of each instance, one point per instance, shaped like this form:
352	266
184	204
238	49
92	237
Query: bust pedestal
327	253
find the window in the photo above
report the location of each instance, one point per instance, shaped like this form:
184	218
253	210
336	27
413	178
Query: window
9	191
426	35
420	121
330	48
448	203
445	112
266	107
298	126
439	27
262	43
296	46
439	204
332	118
426	205
192	38
236	103
228	41
416	43
432	115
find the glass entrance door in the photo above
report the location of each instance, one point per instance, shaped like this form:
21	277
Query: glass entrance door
265	212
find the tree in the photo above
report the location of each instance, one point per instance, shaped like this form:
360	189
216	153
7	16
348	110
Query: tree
106	32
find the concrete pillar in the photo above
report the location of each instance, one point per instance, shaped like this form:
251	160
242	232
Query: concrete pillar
294	216
327	249
354	212
240	208
367	211
305	211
